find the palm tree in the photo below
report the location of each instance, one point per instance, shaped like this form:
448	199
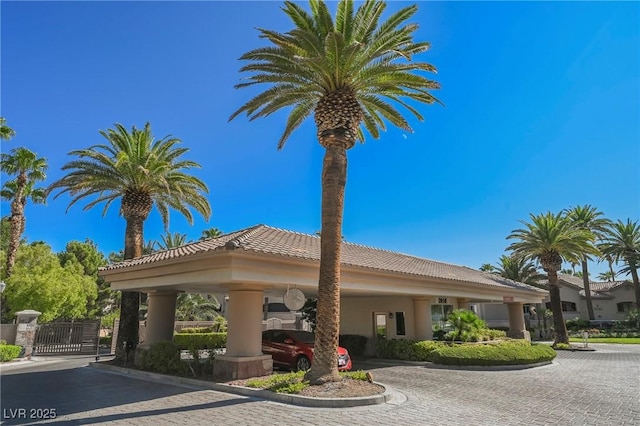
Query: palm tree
348	72
622	242
607	276
519	269
487	267
170	240
29	170
210	233
588	218
6	132
140	172
551	239
567	271
195	307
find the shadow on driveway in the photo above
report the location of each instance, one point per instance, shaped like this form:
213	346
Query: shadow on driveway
82	389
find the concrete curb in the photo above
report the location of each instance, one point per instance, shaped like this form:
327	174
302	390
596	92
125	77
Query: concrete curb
426	364
389	396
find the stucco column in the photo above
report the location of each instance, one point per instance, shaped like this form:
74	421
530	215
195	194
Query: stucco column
463	303
161	314
422	318
517	328
243	357
244	332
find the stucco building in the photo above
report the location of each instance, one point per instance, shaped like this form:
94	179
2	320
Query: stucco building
381	291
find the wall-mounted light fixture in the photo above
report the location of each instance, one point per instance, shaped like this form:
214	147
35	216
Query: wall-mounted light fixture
390	315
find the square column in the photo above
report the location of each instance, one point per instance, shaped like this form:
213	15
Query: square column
463	303
517	328
243	357
422	318
27	324
161	315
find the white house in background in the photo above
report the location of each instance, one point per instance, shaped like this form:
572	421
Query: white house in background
398	295
611	301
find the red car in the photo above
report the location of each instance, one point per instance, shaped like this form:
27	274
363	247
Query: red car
294	349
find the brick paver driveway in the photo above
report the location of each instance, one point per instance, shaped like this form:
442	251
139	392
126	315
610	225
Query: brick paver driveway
598	388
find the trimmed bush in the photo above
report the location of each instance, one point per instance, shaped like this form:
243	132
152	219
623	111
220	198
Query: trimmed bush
505	353
353	343
408	350
196	330
9	352
163	357
577	324
190	341
105	341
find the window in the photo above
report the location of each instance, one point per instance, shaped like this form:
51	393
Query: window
400	331
566	306
439	315
625	307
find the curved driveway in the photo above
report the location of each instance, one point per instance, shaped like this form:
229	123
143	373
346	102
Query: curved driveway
580	388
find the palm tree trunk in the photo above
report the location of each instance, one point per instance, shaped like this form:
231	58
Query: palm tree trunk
587	289
556	308
130	303
16	226
334	176
613	273
636	282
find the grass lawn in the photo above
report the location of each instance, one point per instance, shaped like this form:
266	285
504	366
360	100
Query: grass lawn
625	340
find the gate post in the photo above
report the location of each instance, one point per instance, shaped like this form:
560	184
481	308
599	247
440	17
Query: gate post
27	322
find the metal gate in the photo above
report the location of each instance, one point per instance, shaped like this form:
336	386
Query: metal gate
75	337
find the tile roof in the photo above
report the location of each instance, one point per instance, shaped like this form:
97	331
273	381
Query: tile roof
274	241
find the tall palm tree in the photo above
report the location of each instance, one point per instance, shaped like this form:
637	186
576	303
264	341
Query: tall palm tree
622	242
589	218
210	233
349	72
6	132
551	239
142	173
519	269
28	170
171	240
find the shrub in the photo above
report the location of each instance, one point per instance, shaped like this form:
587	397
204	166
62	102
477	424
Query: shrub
409	350
163	357
105	341
494	334
505	353
191	341
9	352
355	375
466	325
196	330
577	324
353	343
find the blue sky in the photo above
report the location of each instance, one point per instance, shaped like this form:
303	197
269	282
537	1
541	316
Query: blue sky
542	113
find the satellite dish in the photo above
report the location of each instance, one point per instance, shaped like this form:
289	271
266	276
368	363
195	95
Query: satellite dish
294	299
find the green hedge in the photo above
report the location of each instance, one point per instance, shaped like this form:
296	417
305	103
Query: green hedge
197	330
190	341
353	343
9	352
506	353
408	350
